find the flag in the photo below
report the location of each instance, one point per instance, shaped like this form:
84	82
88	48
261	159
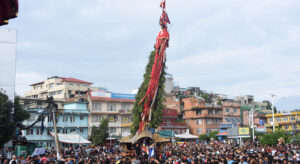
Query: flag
181	144
151	151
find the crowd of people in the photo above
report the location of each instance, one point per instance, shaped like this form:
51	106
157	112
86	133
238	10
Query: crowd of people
168	153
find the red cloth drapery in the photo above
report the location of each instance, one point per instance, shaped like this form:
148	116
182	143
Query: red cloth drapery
162	42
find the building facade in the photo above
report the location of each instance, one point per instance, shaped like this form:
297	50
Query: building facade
231	112
284	121
170	122
114	106
200	117
59	88
73	118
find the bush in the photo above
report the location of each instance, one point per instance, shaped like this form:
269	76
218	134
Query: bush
203	137
272	139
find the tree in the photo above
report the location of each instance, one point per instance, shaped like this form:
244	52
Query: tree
99	134
158	104
269	106
9	122
272	139
203	137
213	135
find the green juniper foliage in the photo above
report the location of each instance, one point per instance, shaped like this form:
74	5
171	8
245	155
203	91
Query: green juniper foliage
158	105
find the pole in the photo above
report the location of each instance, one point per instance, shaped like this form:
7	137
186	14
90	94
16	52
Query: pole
272	95
252	115
110	140
52	110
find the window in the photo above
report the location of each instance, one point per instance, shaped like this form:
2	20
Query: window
208	130
111	107
199	121
29	132
72	119
65	118
213	121
270	119
81	117
73	130
50	85
199	130
39	131
113	119
97	118
125	106
277	119
284	119
96	106
198	112
286	127
81	130
227	110
292	118
65	131
294	127
59	92
187	121
234	110
125	130
112	130
52	93
126	119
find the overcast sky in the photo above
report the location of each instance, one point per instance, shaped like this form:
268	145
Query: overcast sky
232	47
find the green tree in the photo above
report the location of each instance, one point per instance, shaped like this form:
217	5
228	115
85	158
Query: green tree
203	137
269	106
206	97
158	104
99	134
272	139
9	122
213	135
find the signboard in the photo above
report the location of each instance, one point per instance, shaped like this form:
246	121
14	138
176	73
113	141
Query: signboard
101	94
122	96
244	131
112	95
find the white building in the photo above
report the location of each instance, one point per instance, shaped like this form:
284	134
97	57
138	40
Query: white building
59	88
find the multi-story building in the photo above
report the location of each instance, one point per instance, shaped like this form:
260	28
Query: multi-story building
73	118
170	122
59	88
114	106
284	121
247	99
200	117
231	112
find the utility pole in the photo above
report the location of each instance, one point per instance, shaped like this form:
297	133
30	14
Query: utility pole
252	122
272	95
52	110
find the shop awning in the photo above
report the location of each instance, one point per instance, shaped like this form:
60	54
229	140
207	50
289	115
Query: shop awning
222	134
72	138
186	135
